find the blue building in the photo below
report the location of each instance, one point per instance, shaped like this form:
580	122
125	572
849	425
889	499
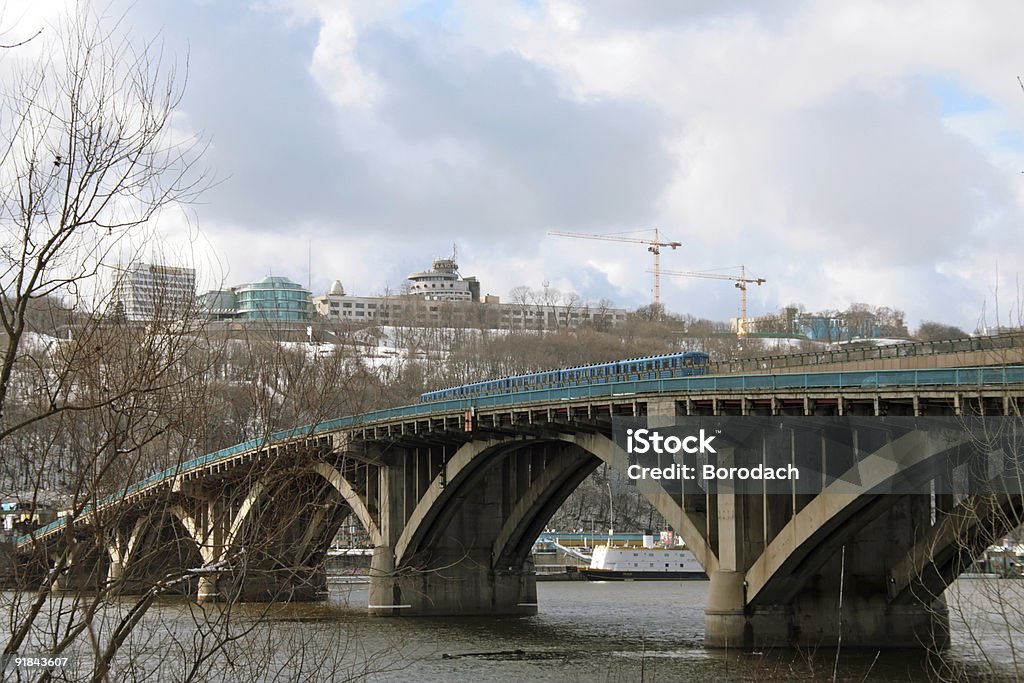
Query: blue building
271	299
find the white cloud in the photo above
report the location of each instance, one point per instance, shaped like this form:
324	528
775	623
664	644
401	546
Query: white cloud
803	139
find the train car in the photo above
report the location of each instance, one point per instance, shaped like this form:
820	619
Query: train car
629	370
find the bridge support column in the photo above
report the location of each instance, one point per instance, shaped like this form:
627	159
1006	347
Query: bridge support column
211	536
115	570
86	571
80	578
725	619
384	598
209	589
454	573
845	599
460	589
863	622
466	589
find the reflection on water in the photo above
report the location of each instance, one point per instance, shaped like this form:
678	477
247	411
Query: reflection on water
650	631
593	632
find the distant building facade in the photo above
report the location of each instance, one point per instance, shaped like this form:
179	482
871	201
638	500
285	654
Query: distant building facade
441	297
438	297
143	292
272	299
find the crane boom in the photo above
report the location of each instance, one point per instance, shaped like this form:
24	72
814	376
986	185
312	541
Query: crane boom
654	246
741	284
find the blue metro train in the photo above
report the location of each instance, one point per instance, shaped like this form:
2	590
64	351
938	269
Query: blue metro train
631	370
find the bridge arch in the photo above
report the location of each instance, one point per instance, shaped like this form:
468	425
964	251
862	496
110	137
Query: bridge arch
435	508
148	549
351	498
953	544
832	518
570	459
539	503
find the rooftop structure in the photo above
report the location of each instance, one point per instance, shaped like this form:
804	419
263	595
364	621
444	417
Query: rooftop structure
443	283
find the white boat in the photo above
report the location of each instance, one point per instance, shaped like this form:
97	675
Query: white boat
643	564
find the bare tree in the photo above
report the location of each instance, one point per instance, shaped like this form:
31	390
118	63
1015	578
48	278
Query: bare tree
933	331
88	159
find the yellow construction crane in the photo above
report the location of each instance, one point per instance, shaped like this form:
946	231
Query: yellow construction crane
654	246
741	281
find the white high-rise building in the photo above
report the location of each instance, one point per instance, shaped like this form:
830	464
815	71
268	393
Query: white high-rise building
145	291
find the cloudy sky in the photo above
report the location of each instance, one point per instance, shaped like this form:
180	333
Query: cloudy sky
847	152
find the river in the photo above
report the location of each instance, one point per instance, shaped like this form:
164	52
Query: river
587	632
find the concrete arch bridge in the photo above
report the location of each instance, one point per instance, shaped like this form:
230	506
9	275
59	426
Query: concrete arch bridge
454	493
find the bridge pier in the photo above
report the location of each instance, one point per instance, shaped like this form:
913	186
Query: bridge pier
209	589
81	577
466	585
460	590
840	596
383	599
295	584
453	567
452	580
863	621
